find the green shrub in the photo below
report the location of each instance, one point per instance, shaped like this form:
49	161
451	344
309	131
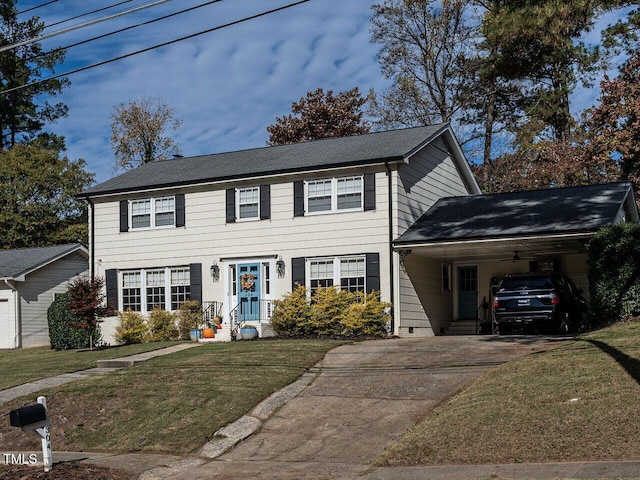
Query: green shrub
291	314
328	306
367	316
331	312
614	269
62	335
162	326
131	328
189	317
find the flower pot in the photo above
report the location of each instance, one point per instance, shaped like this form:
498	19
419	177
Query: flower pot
195	334
248	333
208	333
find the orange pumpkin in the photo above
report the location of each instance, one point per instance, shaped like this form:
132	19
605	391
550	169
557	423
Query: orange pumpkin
208	333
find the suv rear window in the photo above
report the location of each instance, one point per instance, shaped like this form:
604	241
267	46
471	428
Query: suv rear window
526	283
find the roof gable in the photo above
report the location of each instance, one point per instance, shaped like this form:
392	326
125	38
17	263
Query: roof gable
379	147
20	262
552	211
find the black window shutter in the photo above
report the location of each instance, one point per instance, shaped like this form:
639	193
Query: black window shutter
373	272
195	274
124	215
298	199
180	220
111	284
265	202
297	272
231	205
370	191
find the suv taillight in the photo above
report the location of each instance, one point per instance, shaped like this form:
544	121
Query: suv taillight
495	302
555	299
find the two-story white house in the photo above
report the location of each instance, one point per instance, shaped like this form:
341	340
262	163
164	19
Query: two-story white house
238	230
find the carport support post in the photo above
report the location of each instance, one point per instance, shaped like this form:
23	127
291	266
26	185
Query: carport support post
46	439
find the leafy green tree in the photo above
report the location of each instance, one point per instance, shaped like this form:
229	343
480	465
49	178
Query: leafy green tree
538	42
139	132
38	204
320	115
23	113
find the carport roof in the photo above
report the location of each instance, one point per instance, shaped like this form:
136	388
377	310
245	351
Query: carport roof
556	211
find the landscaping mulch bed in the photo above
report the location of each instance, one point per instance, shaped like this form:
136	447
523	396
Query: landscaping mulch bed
64	471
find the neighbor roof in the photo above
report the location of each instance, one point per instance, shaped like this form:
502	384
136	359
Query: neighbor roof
19	262
318	154
551	211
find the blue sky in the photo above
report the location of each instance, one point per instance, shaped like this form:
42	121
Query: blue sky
227	86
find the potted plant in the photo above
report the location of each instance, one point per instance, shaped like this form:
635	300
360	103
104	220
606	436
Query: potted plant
248	332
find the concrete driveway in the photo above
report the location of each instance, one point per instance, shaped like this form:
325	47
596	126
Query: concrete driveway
362	398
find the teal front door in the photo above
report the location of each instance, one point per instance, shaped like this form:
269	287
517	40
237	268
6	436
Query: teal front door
467	292
249	292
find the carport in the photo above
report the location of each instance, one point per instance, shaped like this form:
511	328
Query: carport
470	243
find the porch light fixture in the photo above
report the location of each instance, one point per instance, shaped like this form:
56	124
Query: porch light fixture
215	271
280	266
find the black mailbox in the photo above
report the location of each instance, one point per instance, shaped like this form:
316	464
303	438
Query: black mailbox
25	416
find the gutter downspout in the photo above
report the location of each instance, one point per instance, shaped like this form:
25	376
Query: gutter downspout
391	252
17	327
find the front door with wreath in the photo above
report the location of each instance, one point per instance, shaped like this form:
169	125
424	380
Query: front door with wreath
248	292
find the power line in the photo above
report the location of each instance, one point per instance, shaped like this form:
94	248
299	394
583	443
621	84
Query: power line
49	25
37	7
82	25
124	29
144	50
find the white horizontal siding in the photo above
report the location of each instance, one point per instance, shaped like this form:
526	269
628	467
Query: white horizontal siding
207	237
430	175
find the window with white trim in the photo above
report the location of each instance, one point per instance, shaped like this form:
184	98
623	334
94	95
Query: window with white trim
162	288
333	195
152	213
248	203
348	273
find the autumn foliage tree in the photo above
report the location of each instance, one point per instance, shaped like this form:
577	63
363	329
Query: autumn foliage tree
321	114
87	303
614	125
139	132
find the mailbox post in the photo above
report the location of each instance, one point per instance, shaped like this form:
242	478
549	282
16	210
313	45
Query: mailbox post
35	417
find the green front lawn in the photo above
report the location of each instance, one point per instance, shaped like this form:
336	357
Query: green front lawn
171	404
25	365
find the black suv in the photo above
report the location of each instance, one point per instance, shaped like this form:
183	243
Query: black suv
538	302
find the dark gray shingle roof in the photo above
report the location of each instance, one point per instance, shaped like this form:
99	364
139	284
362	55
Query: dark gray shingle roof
559	210
318	154
14	263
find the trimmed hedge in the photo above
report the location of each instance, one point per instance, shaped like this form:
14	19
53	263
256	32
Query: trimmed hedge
62	336
331	312
614	270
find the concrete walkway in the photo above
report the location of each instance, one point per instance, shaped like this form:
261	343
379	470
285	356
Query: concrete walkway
335	420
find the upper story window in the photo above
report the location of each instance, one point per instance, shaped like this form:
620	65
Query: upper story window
334	194
248	203
152	212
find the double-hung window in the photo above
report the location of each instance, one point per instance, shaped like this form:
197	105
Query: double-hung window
248	203
346	272
156	288
153	212
334	194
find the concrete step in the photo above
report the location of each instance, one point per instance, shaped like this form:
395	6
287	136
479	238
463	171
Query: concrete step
463	327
